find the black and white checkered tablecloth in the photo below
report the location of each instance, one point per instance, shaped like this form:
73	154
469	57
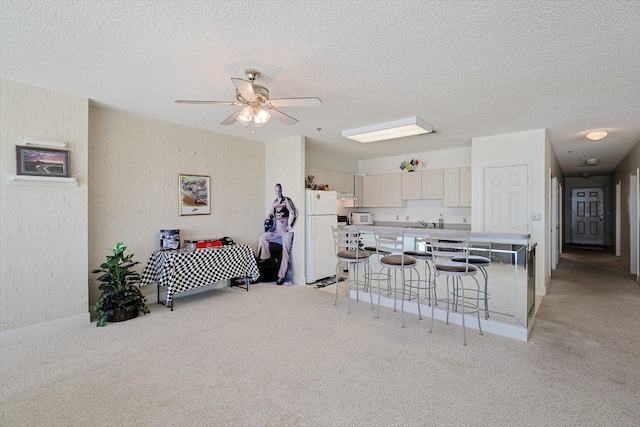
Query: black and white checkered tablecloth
180	271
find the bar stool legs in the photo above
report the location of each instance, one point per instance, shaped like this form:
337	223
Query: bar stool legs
347	246
482	263
392	245
461	298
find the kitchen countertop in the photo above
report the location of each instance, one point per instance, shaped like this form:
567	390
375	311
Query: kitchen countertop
475	237
401	224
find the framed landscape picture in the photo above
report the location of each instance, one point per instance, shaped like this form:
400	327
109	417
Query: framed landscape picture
42	161
194	194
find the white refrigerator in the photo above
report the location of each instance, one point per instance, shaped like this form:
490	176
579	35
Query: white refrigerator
321	217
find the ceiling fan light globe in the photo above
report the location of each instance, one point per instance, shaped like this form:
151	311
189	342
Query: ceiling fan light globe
245	116
261	117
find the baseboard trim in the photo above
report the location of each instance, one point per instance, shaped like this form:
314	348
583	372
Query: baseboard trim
43	329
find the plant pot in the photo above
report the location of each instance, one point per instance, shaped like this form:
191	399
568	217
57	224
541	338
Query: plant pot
122	315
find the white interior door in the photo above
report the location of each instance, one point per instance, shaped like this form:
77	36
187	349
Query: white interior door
560	220
506	208
633	227
637	234
618	218
554	223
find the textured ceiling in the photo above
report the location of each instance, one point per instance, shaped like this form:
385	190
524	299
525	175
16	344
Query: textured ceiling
470	69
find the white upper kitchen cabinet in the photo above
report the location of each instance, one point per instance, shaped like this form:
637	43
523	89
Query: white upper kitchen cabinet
371	191
411	185
426	185
451	187
343	182
433	184
382	190
337	181
457	187
391	190
465	187
357	190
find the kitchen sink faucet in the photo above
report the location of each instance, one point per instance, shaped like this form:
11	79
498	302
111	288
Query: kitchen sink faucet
428	224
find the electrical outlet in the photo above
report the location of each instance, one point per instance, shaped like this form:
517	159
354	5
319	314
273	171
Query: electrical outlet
407	219
464	219
536	216
397	217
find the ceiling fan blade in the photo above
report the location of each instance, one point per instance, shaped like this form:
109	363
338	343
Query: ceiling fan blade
231	119
191	101
296	102
282	117
245	88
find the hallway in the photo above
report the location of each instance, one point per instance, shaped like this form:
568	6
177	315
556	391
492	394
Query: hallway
591	318
600	257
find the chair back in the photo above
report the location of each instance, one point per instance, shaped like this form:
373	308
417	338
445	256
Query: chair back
347	240
390	248
449	244
389	242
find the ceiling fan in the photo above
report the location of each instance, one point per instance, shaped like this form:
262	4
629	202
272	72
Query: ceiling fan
259	108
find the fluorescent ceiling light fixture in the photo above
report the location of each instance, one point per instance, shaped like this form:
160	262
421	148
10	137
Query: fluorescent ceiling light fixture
591	162
596	136
43	142
390	130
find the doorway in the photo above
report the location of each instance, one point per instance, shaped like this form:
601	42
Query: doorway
587	216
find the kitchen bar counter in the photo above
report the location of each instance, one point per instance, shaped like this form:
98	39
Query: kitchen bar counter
511	273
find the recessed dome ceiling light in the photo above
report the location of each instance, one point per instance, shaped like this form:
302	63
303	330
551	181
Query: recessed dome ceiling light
596	136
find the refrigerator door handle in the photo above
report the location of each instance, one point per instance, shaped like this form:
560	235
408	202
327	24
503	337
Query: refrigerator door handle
311	204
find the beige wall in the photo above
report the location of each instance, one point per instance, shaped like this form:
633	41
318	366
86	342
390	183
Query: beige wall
43	229
628	166
321	160
134	163
127	168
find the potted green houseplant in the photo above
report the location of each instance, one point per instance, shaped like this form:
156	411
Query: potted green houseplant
121	298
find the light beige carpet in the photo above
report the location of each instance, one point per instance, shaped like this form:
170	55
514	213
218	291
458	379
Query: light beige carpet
286	356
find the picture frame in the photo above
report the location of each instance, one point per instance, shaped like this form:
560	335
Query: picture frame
39	161
194	194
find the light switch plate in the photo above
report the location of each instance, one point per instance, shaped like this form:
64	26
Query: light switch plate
536	216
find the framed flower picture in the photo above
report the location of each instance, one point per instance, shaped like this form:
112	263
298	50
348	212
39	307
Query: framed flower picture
194	194
39	161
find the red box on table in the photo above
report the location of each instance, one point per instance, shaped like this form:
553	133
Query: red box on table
202	243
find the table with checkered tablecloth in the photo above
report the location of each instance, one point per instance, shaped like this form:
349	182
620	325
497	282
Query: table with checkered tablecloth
181	270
